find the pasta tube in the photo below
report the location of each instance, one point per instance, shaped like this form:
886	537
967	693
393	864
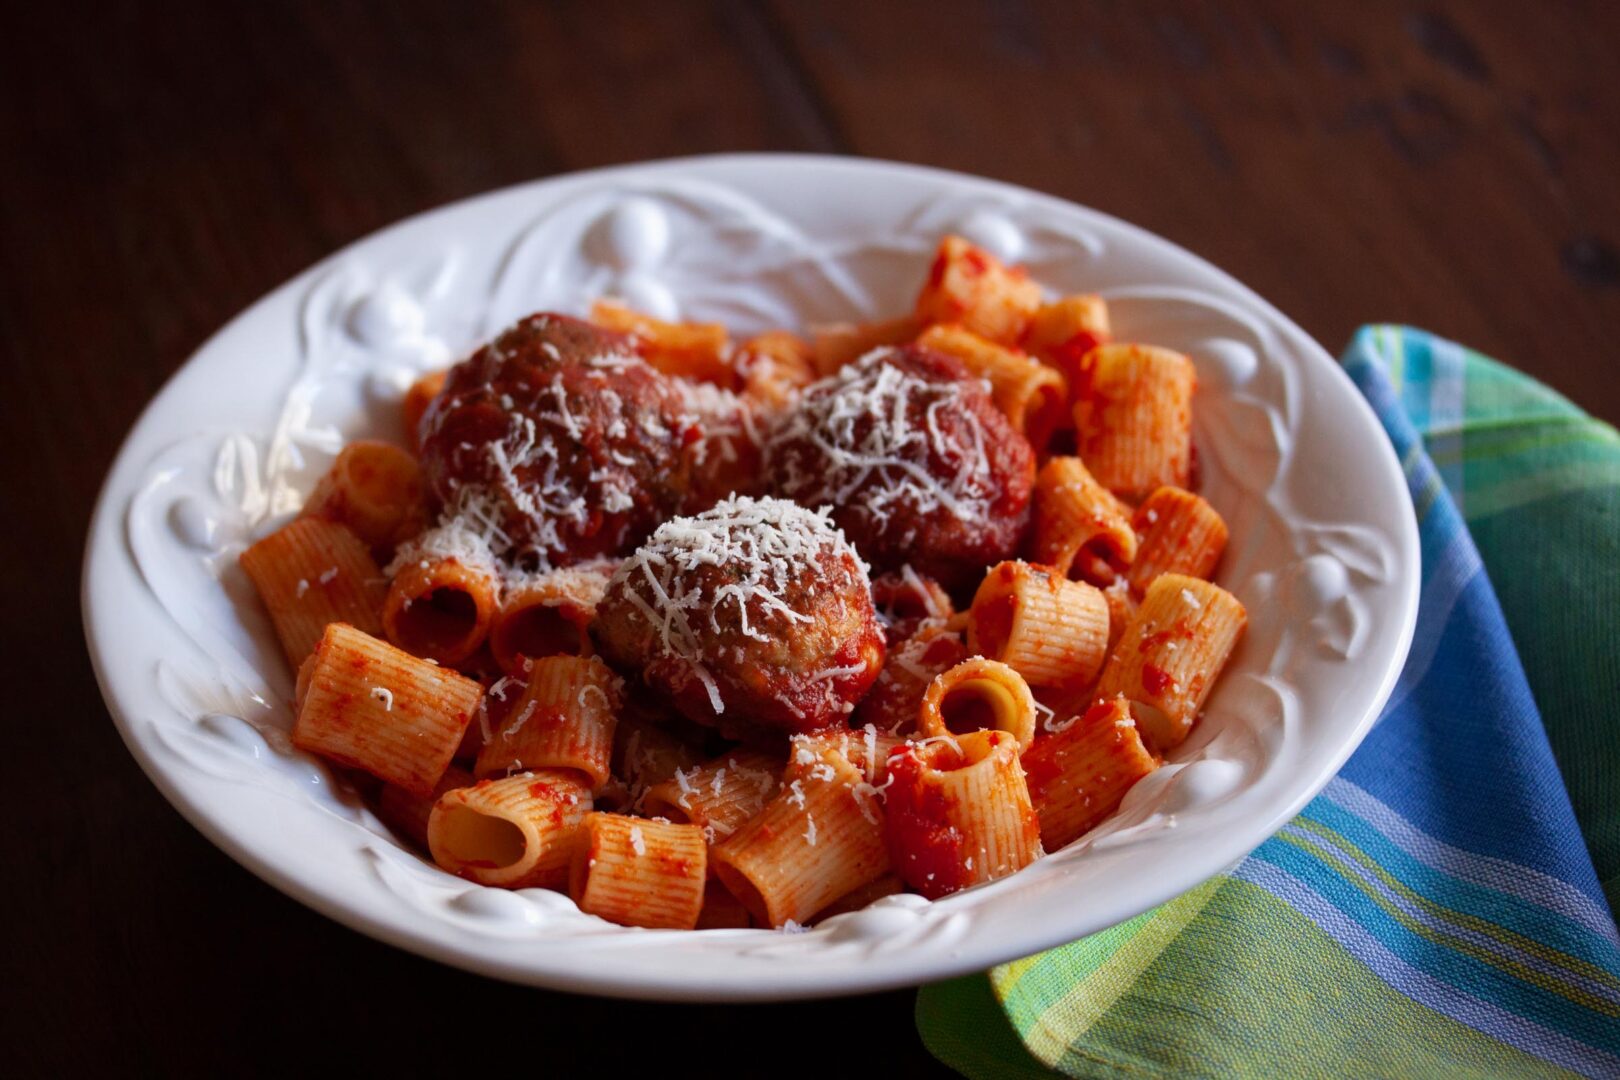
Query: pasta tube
775	367
1033	396
700	351
720	795
637	872
872	891
1080	771
892	704
417	400
1062	332
836	345
1050	630
440	608
1172	652
1180	534
519	832
978	695
375	489
968	285
564	719
310	573
1081	529
408	814
1133	418
373	707
721	910
548	615
816	841
959	813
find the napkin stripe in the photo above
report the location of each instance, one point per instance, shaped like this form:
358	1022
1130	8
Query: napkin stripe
1488	939
1482	982
1522	882
1482	1016
1402	921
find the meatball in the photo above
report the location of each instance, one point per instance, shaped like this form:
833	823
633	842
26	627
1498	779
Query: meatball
914	458
755	615
561	441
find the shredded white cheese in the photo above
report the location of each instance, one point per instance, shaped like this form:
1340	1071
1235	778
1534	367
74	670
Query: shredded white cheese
763	545
871	454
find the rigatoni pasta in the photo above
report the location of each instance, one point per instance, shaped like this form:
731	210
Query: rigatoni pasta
774	367
374	707
312	572
564	718
867	749
959	813
816	841
408	813
375	488
873	891
893	703
978	695
1180	534
835	345
1079	772
1170	655
1050	630
968	285
441	607
1063	332
639	872
1133	417
645	755
417	399
1081	529
721	910
518	832
720	795
546	615
698	351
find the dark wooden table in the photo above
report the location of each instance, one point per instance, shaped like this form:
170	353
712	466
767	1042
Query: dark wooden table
1456	166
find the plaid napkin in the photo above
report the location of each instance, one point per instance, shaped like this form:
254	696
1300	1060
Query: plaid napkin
1435	910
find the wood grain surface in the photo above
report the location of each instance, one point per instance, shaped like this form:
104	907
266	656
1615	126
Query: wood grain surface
1455	165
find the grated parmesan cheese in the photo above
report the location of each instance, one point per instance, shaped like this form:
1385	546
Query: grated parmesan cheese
384	695
762	545
874	456
517	725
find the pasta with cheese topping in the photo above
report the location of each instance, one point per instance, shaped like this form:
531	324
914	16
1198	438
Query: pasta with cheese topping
710	636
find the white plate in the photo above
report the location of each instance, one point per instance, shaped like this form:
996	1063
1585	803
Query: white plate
1324	548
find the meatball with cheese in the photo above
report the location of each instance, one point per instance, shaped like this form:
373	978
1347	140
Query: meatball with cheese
915	459
559	442
753	615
